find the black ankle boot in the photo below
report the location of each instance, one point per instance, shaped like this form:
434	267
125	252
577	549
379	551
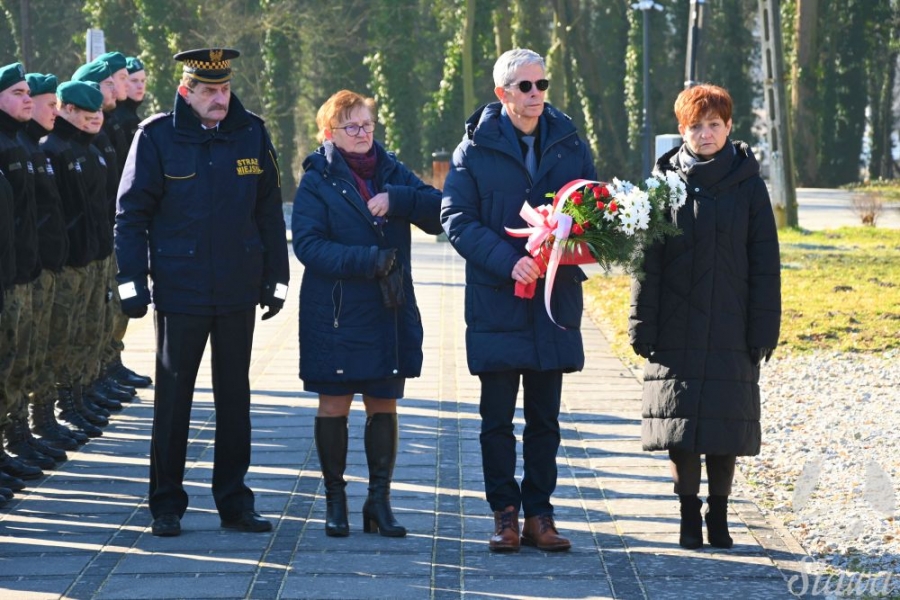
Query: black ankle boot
691	530
18	443
87	409
717	522
44	424
381	454
331	444
70	413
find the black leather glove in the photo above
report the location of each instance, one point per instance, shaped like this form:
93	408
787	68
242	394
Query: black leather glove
268	300
643	350
385	262
134	297
758	355
392	294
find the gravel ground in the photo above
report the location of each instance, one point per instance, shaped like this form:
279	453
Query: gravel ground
830	464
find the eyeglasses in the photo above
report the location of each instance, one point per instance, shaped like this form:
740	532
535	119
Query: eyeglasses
525	86
353	130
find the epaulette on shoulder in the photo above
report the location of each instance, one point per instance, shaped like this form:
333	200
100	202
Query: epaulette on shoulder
153	119
256	116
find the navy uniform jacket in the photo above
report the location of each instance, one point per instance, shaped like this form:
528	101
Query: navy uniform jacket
7	237
51	224
15	162
199	212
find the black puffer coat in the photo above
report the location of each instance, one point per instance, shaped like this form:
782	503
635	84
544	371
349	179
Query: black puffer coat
709	295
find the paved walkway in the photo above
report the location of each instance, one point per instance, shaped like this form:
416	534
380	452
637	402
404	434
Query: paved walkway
82	531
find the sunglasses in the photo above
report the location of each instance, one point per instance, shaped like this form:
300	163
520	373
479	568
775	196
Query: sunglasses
525	86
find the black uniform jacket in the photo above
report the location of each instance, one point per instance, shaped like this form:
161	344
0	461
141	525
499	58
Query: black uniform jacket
199	212
16	164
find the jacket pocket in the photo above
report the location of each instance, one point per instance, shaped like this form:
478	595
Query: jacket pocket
495	308
568	298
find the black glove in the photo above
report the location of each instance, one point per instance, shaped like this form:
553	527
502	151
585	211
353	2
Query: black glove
268	299
643	350
385	262
757	355
134	297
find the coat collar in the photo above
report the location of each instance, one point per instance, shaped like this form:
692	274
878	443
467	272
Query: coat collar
486	127
187	123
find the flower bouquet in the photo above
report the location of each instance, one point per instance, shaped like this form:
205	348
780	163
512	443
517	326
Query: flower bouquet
596	221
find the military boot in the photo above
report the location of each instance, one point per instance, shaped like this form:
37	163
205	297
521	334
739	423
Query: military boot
16	468
123	374
44	424
109	388
18	443
94	395
88	409
69	412
38	444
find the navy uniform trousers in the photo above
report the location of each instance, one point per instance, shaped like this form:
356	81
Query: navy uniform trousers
180	342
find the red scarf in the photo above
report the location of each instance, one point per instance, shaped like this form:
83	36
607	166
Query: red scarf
362	166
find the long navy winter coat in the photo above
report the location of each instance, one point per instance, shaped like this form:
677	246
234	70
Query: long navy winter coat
709	295
484	192
346	333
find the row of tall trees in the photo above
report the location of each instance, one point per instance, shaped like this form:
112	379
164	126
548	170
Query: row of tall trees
428	63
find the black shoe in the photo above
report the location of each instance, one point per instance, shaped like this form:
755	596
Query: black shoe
109	388
6	494
48	450
691	528
123	374
166	526
94	394
248	521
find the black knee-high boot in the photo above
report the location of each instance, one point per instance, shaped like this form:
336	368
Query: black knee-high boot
691	531
717	522
331	444
381	454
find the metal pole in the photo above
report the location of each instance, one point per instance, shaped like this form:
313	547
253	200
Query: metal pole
695	27
647	128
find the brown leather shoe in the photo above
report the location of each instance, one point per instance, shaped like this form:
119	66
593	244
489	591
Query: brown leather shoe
506	530
541	533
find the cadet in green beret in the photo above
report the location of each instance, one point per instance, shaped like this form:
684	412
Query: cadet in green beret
98	386
127	110
16	109
53	244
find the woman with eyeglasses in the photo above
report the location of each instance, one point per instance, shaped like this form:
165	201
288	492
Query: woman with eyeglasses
360	327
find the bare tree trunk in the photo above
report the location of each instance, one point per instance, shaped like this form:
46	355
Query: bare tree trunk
25	18
468	68
803	93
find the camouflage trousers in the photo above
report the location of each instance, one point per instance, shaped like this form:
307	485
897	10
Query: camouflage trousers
43	380
96	319
119	324
15	342
67	326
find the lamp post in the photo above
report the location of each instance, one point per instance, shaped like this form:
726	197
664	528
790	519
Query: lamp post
646	6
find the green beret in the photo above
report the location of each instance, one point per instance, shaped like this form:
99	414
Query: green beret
115	60
133	64
10	75
82	94
96	71
41	84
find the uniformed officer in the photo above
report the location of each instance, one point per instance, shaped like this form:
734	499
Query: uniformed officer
8	483
200	196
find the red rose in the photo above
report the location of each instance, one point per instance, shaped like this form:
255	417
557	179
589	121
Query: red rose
576	198
604	191
586	225
600	205
613	207
577	229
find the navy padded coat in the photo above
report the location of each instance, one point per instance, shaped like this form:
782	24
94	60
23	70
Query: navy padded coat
346	333
483	194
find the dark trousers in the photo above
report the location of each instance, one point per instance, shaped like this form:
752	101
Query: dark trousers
540	440
180	342
685	468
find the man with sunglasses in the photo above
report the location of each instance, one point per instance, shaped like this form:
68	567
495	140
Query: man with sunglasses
199	211
517	149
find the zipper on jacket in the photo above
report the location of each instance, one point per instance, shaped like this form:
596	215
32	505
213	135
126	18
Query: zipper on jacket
336	306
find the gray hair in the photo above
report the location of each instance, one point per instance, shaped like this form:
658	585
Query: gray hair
509	62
